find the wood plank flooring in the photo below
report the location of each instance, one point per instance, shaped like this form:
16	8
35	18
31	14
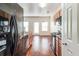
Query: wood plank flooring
34	49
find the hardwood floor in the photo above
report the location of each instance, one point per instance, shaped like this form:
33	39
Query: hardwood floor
40	46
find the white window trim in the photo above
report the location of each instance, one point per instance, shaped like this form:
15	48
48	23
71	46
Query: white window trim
44	26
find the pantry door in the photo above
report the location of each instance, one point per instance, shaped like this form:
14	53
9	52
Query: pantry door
70	27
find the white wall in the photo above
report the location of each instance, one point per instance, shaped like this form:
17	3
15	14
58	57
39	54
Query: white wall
52	24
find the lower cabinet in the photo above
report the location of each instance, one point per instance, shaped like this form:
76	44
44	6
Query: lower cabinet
58	46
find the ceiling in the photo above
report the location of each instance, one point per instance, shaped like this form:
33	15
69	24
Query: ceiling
31	9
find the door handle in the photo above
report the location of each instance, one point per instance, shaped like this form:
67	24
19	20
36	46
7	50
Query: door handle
65	44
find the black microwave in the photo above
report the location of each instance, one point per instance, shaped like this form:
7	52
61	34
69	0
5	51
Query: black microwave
4	24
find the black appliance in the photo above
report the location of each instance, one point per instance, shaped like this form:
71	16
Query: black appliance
4	30
8	36
13	35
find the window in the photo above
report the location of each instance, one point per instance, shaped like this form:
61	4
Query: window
36	27
44	26
26	26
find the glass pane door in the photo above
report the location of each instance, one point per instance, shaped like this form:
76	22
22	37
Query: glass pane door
36	27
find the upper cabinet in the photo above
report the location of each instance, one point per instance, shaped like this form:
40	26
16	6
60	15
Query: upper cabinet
8	9
58	21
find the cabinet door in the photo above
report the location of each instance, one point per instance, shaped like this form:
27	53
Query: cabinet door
56	46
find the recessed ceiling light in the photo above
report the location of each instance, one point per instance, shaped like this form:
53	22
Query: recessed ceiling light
42	5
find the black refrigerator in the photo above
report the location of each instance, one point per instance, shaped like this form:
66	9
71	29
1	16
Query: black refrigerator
8	36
